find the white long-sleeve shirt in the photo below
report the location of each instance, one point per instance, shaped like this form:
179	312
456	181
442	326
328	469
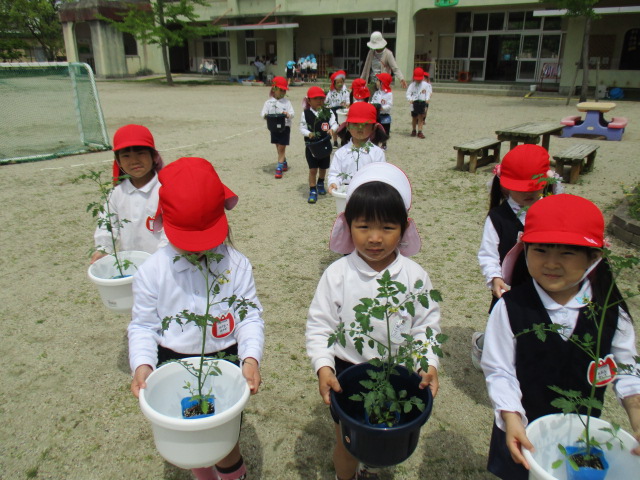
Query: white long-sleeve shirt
275	106
498	355
337	98
163	288
133	204
304	128
419	91
341	287
348	159
385	99
488	255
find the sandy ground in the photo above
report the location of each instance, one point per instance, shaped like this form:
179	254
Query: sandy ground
66	407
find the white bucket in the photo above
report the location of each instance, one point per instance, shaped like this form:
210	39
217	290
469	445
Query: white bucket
341	200
532	88
545	433
342	115
194	442
116	293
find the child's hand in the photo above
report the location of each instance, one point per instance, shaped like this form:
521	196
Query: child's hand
516	437
97	256
498	287
286	114
430	379
327	381
139	379
251	372
331	132
632	405
311	135
332	187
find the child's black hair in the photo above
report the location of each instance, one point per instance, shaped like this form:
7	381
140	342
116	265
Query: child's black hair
133	148
497	195
377	201
378	135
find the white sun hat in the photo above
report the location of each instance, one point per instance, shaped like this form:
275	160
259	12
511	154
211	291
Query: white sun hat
376	41
341	242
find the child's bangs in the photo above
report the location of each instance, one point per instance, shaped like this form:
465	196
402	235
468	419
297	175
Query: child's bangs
376	202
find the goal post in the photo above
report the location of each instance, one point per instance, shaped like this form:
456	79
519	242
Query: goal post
49	110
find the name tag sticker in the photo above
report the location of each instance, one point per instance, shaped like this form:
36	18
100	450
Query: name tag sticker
603	373
224	326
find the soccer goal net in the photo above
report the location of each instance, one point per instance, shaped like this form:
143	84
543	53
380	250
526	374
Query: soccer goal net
49	110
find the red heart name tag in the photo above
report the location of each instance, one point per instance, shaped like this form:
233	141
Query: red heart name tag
224	326
603	373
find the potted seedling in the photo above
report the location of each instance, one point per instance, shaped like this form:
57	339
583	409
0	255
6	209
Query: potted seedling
112	273
320	148
381	408
202	428
584	443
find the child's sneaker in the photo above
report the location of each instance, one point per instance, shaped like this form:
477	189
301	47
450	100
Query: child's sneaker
365	472
420	135
279	171
320	188
313	196
413	133
285	166
477	344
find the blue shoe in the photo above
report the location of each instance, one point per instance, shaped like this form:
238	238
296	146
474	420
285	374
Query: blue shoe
279	171
285	166
313	196
320	188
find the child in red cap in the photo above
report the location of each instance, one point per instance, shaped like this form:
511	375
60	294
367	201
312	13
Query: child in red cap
383	101
419	94
134	198
277	104
359	151
562	242
192	212
316	125
337	97
359	91
518	182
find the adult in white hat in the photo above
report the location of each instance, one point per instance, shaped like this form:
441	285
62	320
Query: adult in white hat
380	60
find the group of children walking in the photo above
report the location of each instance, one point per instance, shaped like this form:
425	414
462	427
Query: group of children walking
180	209
319	126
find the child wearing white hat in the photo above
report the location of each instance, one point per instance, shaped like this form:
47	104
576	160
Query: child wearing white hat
375	233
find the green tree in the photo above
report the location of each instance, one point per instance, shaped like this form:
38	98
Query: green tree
165	23
23	19
581	8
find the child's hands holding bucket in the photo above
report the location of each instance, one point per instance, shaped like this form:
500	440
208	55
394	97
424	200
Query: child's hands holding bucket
327	381
139	379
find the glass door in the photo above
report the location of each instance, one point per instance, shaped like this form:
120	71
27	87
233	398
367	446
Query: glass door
528	58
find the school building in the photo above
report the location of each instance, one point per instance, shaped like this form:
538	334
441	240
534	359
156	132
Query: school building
456	40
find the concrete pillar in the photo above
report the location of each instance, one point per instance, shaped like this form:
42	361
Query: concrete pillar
284	49
405	38
234	53
108	50
70	43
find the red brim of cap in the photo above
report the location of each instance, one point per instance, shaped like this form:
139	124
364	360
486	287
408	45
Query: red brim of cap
198	240
521	185
561	237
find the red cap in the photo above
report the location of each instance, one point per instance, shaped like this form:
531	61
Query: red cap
564	219
360	93
385	81
418	74
520	165
133	136
362	112
281	83
358	83
315	92
192	201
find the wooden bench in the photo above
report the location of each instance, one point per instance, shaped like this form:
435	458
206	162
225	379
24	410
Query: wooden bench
478	147
575	156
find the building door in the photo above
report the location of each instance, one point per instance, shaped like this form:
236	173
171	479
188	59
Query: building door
502	53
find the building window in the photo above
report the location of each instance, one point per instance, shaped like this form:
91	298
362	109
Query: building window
630	57
463	22
216	49
130	44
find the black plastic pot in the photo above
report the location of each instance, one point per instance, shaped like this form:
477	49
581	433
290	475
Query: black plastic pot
276	122
376	446
321	148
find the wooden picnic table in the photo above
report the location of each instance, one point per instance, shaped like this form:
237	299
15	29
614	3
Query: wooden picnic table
529	133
